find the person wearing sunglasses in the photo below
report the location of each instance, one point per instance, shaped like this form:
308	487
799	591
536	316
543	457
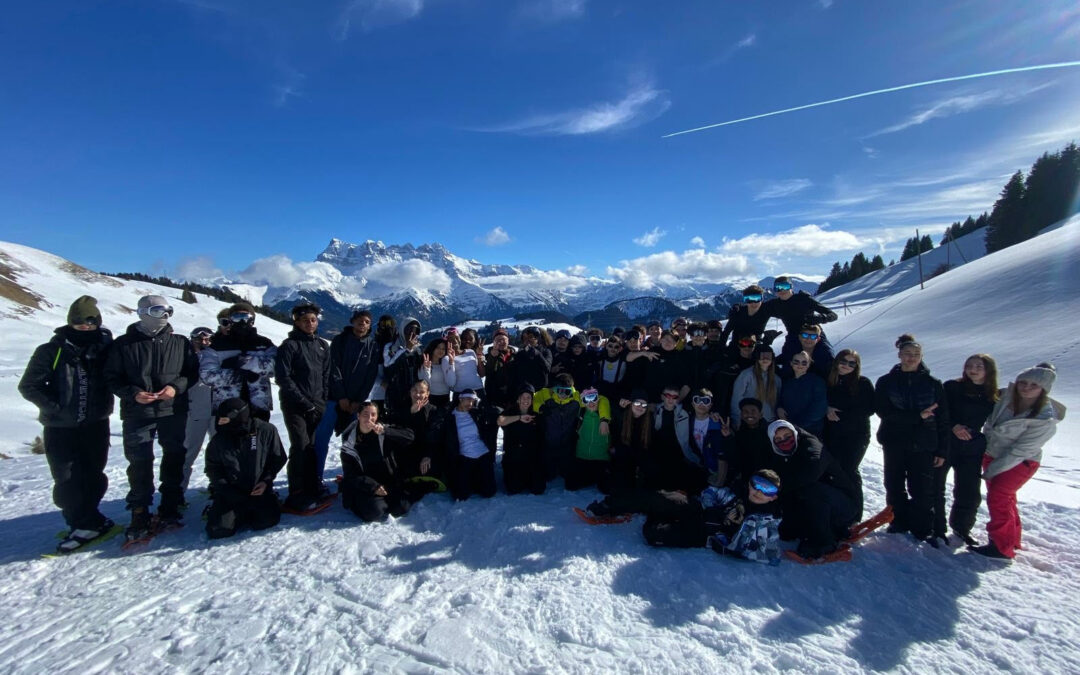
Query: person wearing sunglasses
850	400
802	398
592	459
811	340
149	368
759	381
670	462
794	310
746	319
223	322
523	465
65	379
595	342
707	435
971	399
243	458
818	501
635	433
240	364
611	370
558	407
200	415
914	437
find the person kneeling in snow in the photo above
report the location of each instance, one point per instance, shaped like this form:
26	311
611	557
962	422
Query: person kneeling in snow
242	460
373	457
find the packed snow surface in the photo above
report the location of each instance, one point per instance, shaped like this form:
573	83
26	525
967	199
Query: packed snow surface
518	584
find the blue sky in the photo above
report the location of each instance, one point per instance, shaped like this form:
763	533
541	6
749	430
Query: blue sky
196	136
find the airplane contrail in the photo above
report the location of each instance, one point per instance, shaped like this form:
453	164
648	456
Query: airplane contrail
992	73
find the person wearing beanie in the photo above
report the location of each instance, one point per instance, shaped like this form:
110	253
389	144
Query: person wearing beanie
242	460
794	310
558	407
240	363
820	499
302	371
914	437
150	369
1021	423
577	361
65	380
523	446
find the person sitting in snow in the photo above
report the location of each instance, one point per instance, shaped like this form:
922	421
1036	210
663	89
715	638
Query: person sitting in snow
242	460
468	433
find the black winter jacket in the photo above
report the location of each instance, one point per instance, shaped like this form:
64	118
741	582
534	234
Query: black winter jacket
741	324
378	461
302	371
969	406
855	411
486	418
810	463
797	310
899	398
138	362
67	382
530	365
234	464
354	380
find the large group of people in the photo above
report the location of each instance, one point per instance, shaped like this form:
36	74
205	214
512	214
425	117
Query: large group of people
717	437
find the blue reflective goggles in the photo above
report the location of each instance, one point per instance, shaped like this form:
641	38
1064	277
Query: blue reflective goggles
764	487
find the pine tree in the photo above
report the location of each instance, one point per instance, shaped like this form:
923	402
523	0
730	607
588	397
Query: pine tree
877	263
926	244
188	297
1007	217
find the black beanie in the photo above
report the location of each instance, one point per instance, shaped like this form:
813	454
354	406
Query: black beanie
82	309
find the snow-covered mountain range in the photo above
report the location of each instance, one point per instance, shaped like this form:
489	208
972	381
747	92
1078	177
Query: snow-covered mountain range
439	287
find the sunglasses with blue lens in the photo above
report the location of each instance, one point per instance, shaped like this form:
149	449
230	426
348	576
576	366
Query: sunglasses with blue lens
751	298
764	487
782	287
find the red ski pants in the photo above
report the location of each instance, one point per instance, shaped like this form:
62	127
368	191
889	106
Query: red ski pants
1004	525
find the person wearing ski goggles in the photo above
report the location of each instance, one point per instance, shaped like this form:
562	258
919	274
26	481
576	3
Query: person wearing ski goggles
592	458
746	319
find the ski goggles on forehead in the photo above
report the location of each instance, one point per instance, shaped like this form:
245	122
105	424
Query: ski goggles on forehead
702	400
590	396
782	287
764	487
156	311
751	298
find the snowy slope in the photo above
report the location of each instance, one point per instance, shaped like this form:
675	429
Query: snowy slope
903	275
518	584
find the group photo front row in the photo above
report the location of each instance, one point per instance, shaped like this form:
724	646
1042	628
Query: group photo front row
717	438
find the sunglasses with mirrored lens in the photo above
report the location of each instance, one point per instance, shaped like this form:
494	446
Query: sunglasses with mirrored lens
697	333
702	400
809	336
850	363
747	343
640	404
751	298
241	317
157	311
764	487
668	394
781	287
589	398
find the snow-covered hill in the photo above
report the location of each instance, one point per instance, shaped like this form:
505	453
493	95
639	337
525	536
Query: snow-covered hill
518	584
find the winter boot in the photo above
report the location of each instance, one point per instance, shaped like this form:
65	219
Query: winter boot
76	539
989	550
140	523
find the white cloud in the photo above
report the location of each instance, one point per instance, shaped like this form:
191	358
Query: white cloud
643	103
288	87
650	238
577	270
808	240
197	268
407	274
496	237
782	188
697	242
372	14
553	10
538	279
279	270
669	267
956	105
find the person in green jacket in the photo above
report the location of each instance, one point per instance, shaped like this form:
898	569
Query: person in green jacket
592	459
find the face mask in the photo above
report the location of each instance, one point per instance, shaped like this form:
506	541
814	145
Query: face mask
786	446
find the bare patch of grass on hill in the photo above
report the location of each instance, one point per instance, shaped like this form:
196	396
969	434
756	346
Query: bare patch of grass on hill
11	289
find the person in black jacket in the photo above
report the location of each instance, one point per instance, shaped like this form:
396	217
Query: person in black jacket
149	368
421	418
374	485
65	380
748	319
794	310
531	364
523	462
914	438
469	431
354	365
667	368
302	371
748	449
818	501
242	460
497	380
850	398
971	398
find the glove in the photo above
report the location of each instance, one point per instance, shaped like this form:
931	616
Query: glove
231	363
250	375
770	335
313	415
